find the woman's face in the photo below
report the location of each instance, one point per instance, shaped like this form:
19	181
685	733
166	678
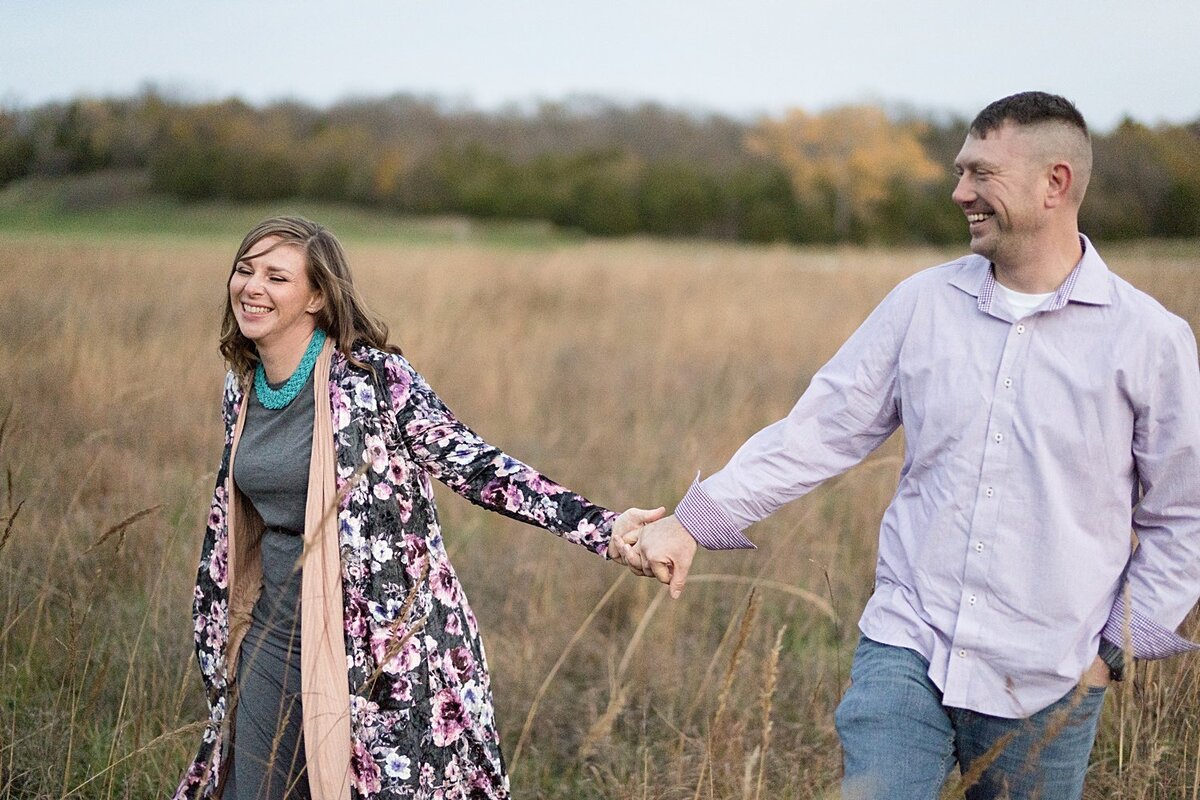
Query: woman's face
273	300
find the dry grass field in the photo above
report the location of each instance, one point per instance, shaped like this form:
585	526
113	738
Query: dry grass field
618	368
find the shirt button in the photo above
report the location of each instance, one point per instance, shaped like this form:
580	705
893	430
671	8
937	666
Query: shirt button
1020	329
999	437
1008	383
979	547
989	491
962	653
971	600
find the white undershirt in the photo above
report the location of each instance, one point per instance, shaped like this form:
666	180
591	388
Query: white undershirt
1022	304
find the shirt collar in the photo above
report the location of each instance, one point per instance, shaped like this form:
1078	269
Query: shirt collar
1088	282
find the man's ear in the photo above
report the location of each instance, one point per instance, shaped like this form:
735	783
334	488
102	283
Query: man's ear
1059	180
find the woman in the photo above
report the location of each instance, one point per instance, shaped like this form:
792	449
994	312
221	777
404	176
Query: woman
331	439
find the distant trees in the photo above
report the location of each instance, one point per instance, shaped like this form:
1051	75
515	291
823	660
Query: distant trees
853	173
1146	181
17	149
853	156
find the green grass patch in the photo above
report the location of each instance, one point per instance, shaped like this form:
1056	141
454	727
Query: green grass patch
121	205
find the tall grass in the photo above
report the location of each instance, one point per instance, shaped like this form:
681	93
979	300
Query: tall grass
617	368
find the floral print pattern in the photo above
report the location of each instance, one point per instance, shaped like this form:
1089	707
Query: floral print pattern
422	723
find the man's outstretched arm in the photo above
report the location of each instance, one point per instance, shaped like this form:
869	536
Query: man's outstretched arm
849	409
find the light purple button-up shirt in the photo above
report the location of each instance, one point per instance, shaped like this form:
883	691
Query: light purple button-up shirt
1031	447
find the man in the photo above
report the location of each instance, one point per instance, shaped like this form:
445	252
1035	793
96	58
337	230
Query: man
1047	406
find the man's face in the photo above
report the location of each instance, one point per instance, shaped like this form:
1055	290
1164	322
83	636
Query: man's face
1001	188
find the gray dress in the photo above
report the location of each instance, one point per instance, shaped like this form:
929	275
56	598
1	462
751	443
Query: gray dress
271	470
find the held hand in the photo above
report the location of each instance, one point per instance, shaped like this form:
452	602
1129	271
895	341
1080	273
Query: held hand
627	528
665	550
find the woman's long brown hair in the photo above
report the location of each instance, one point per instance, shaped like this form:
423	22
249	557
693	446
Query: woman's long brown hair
344	317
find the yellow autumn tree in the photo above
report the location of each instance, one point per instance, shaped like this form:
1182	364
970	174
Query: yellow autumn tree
856	153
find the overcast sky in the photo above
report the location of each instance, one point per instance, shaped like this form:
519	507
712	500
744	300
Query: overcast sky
745	58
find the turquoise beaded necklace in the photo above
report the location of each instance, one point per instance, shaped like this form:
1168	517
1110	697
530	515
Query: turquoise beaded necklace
276	399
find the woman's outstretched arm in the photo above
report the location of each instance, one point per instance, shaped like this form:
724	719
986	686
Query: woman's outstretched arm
457	456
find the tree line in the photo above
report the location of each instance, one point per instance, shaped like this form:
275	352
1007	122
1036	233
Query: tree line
849	174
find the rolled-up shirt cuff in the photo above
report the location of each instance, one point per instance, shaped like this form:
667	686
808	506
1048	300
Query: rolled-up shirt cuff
707	522
1148	638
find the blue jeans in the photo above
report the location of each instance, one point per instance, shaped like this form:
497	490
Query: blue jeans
900	742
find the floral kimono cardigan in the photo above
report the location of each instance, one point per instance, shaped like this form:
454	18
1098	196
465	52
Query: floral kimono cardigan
399	705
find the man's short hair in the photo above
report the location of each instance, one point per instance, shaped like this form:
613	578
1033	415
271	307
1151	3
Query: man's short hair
1061	128
1027	108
